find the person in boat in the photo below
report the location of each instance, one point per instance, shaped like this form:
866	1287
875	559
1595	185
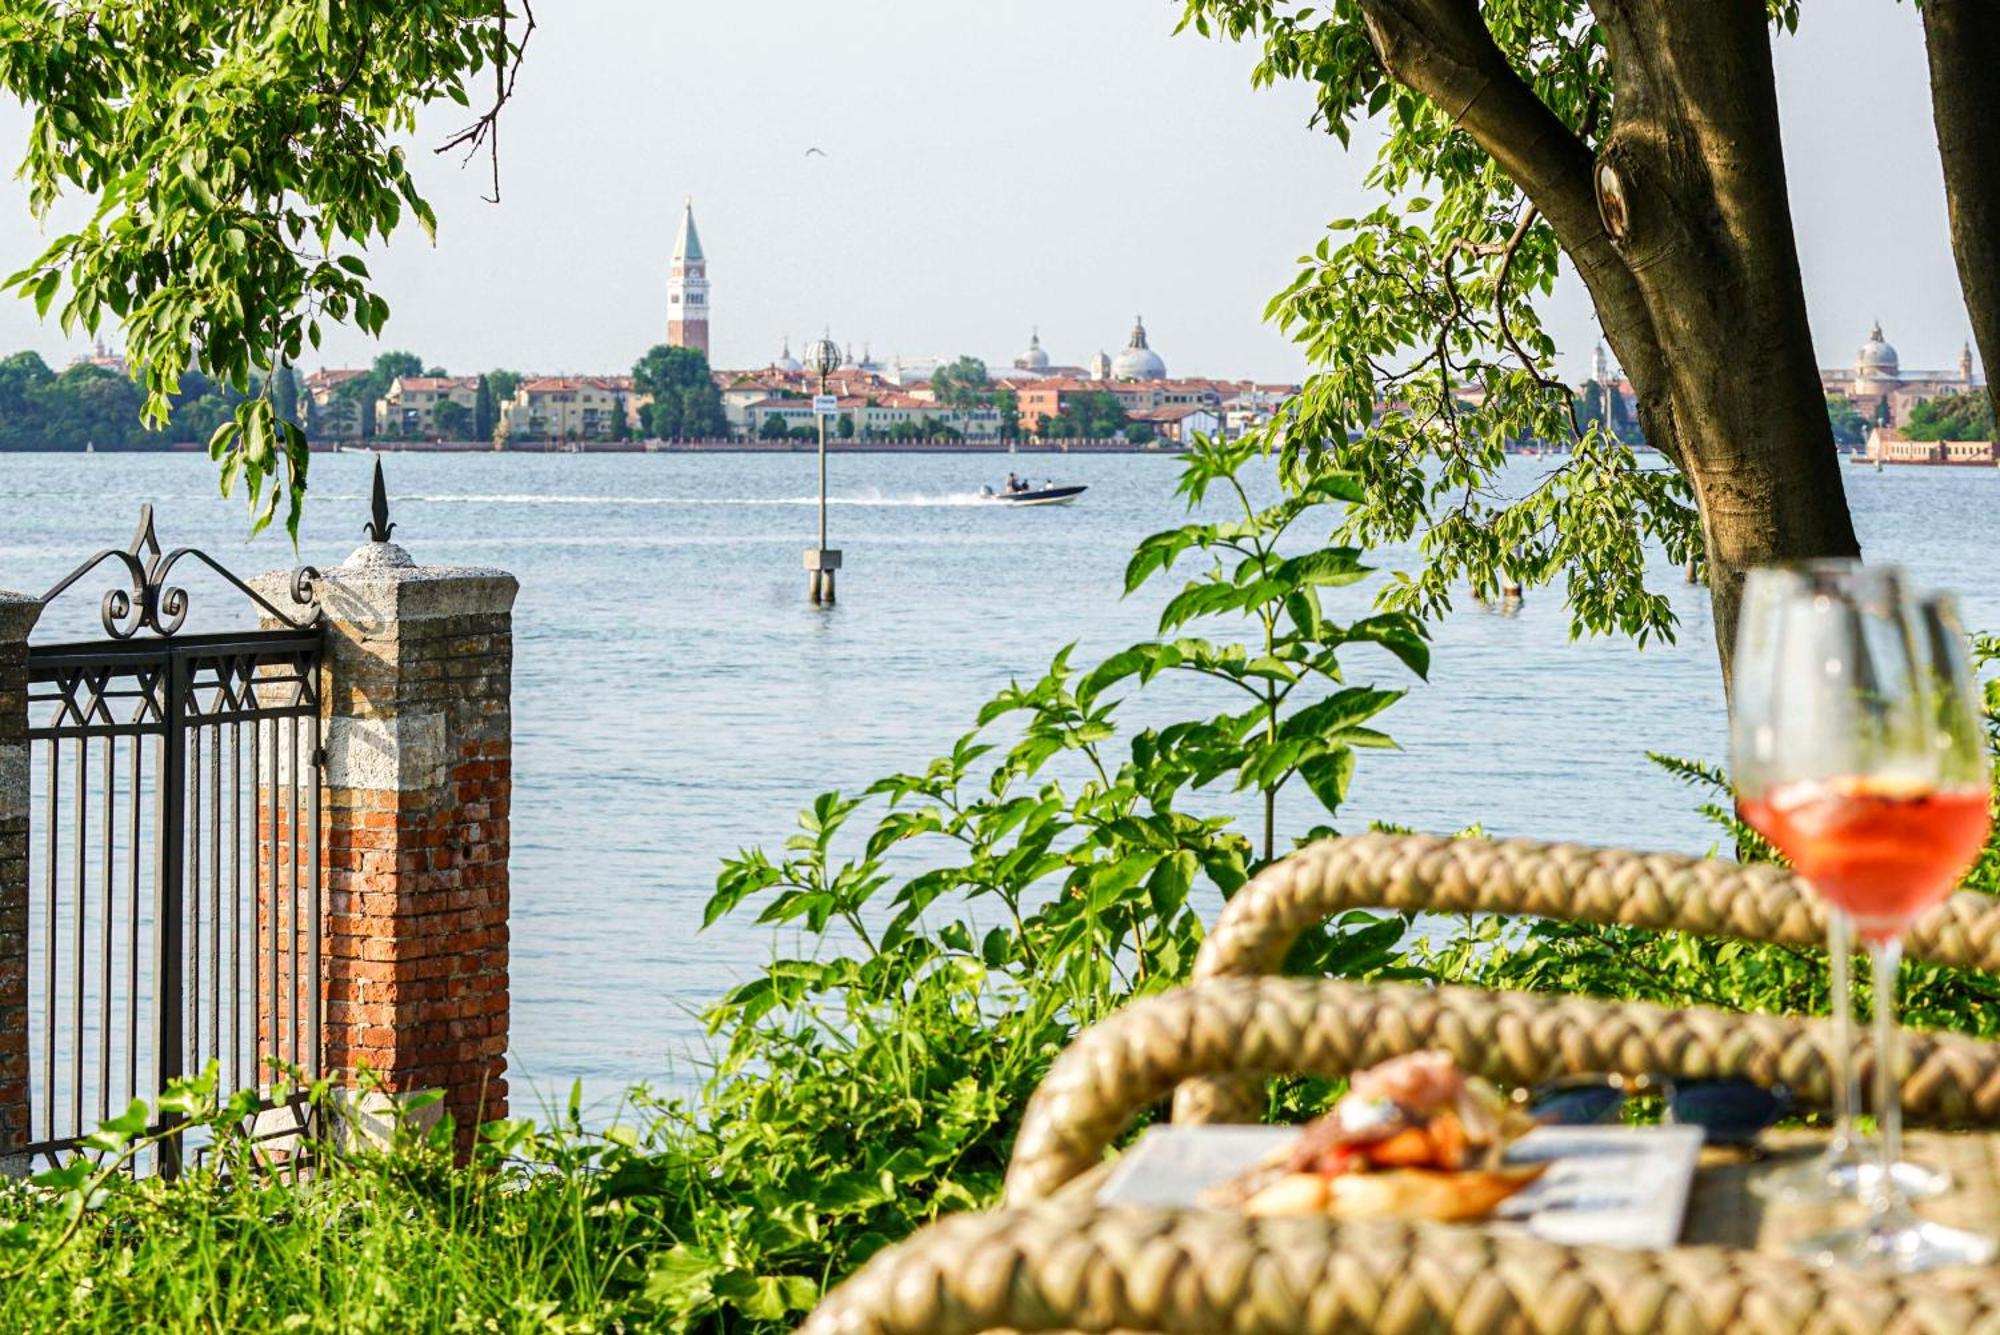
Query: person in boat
1014	484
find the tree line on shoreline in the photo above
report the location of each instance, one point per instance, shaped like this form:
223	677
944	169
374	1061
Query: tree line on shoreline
87	405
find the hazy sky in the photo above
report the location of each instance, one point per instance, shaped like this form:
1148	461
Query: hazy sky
995	166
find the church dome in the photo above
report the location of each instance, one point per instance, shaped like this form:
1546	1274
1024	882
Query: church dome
1876	358
786	362
1034	359
1137	361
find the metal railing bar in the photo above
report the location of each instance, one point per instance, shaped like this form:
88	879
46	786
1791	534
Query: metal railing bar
207	646
215	897
192	1008
50	994
292	831
317	928
110	879
236	905
268	914
82	833
132	926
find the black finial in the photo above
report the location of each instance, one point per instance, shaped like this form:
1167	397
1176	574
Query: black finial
145	543
379	528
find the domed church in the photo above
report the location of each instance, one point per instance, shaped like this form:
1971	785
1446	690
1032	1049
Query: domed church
1034	359
1138	361
1883	392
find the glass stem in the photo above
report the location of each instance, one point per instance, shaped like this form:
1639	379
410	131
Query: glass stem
1889	1209
1847	1075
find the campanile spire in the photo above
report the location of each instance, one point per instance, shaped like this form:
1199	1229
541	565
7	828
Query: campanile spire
687	287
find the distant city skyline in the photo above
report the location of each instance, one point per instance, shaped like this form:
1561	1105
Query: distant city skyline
975	182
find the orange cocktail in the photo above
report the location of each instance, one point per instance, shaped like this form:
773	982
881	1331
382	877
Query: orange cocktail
1883	852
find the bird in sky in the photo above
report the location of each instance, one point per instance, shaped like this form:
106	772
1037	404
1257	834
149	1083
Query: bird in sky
820	151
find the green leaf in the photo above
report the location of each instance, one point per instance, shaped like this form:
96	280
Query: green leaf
1328	777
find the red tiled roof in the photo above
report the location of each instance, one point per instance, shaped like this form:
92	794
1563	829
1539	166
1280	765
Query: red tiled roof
557	383
436	382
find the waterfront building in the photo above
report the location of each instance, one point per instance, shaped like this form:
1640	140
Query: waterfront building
795	413
1248	405
876	415
1883	390
567	407
1611	394
1100	366
1887	444
1179	425
1041	399
687	288
331	415
103	358
408	409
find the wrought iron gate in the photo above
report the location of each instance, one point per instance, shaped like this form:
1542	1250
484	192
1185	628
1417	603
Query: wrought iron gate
176	907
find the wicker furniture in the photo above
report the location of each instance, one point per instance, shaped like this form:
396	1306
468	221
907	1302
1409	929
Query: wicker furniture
1049	1259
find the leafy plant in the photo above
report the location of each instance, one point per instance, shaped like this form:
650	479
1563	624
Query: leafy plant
239	158
864	1090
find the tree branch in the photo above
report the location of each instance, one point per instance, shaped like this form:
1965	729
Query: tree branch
486	130
1443	50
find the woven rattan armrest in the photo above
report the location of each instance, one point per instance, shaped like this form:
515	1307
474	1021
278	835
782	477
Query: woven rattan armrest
1420	874
1272	1026
1067	1266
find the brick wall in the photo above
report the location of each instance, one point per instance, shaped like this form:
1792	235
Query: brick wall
419	743
17	618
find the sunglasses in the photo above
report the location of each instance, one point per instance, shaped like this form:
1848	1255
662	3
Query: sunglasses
1729	1112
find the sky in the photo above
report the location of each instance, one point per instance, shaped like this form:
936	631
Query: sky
989	168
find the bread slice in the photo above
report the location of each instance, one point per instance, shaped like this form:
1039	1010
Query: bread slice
1401	1193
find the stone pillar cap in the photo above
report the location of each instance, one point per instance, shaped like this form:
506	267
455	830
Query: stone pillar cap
18	614
378	556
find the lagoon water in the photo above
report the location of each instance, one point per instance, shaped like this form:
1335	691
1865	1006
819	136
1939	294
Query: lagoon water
677	698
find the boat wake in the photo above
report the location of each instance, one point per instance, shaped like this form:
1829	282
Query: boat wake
868	499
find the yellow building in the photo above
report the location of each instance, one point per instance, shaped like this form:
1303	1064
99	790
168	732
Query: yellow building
566	407
409	410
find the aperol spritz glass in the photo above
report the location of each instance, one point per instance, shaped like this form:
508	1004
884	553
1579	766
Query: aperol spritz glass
1860	756
1844	1169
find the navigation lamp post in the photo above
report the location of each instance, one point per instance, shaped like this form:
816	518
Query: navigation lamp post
823	357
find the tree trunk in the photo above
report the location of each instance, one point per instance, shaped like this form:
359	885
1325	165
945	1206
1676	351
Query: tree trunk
1681	229
1708	238
1963	38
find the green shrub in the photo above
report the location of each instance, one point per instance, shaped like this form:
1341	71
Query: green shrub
965	922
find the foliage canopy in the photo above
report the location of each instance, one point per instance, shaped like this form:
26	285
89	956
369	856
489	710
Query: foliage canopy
240	158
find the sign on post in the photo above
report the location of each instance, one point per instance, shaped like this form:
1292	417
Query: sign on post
825	405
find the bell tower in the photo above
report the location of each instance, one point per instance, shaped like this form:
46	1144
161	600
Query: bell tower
687	288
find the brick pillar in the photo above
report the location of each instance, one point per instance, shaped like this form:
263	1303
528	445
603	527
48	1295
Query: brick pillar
17	618
418	737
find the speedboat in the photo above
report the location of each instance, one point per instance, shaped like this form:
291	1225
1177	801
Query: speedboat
1045	495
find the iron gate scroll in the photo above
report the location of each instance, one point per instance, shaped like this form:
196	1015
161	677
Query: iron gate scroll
174	866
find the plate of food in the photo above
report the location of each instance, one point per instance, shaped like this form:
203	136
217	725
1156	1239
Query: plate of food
1415	1138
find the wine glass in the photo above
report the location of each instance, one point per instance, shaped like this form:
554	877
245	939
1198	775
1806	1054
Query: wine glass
1866	765
1845	1169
